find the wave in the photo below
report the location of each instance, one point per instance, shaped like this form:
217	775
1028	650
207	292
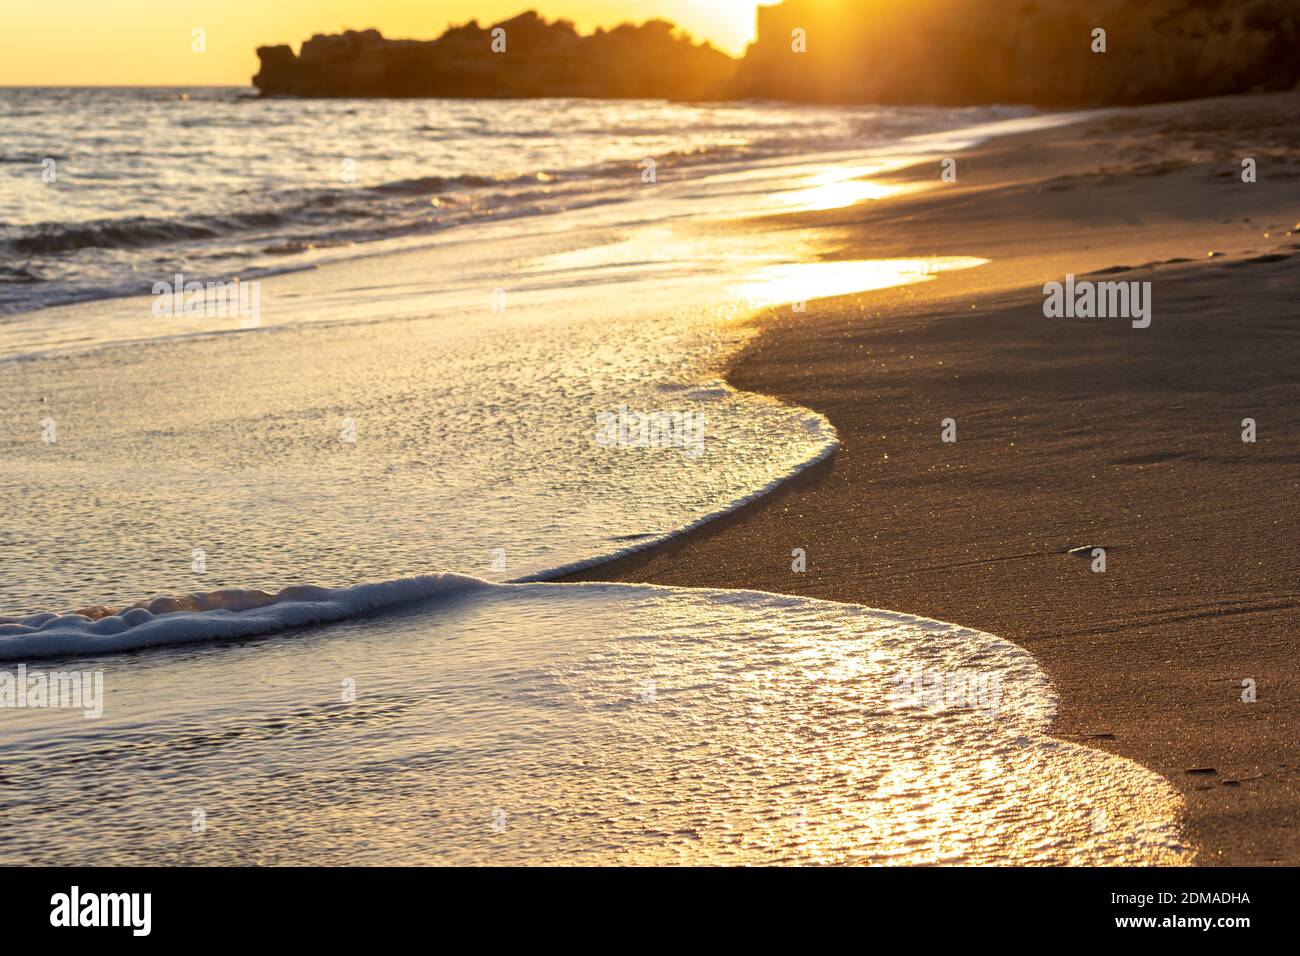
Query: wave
244	613
540	676
212	615
304	220
19	275
312	205
425	185
54	238
50	238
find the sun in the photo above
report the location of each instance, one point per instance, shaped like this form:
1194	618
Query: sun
727	24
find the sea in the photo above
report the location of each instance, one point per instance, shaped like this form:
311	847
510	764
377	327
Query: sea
305	405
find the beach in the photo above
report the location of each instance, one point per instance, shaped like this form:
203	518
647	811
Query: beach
277	584
325	516
1070	433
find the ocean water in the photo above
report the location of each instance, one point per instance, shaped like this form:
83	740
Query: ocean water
299	539
103	189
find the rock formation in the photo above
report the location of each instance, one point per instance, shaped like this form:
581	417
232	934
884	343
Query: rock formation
531	57
958	52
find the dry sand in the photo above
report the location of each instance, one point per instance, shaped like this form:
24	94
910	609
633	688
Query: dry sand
1071	432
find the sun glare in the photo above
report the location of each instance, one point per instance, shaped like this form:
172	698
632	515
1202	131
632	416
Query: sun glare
801	281
838	188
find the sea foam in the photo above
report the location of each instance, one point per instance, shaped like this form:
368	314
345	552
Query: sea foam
213	615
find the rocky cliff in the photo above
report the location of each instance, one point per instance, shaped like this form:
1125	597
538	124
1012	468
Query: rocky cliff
522	57
1020	51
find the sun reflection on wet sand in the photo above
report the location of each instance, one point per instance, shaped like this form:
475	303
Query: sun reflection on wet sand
800	281
840	187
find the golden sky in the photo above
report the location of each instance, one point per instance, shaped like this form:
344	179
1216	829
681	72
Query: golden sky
147	42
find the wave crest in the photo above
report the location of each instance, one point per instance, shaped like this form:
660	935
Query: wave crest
212	615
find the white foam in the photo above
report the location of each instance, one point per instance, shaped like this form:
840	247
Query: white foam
219	615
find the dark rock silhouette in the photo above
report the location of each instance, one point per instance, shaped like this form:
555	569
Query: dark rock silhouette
958	52
540	59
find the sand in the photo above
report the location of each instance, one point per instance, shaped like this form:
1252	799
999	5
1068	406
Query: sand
1070	433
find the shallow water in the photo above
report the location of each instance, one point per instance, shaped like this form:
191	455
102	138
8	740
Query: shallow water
361	452
435	408
577	724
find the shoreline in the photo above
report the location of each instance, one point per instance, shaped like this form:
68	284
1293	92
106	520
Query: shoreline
1071	433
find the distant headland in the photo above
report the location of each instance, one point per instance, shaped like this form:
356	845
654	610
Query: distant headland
525	56
1053	53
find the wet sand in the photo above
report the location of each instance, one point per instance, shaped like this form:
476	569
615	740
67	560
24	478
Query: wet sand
1070	433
